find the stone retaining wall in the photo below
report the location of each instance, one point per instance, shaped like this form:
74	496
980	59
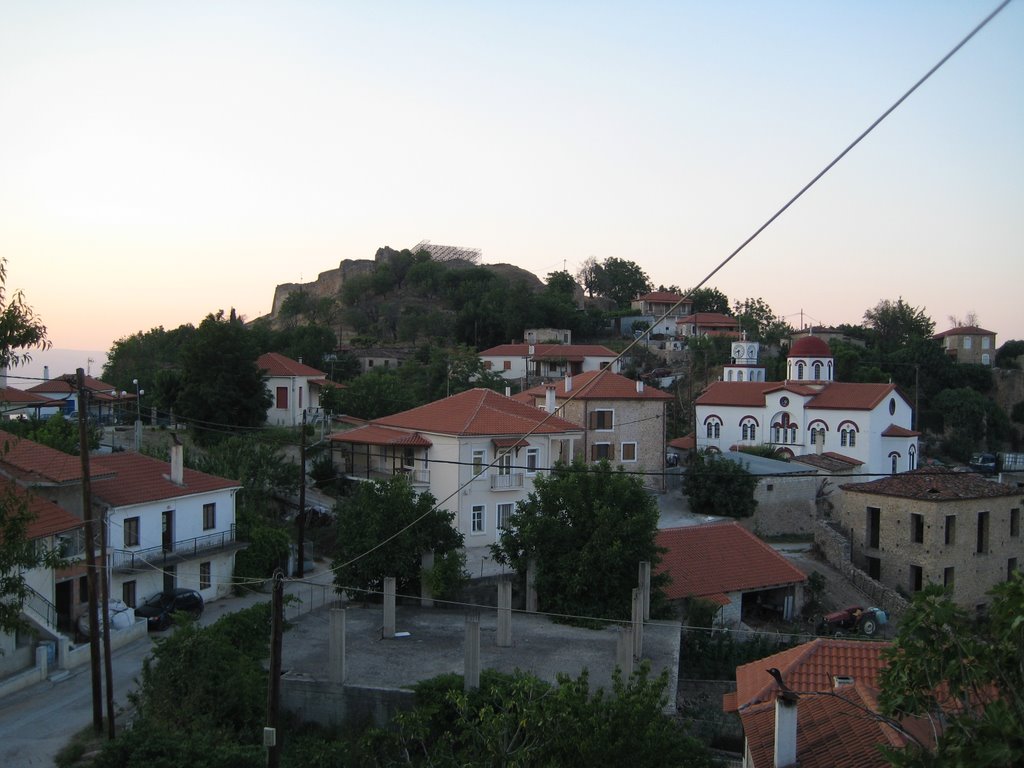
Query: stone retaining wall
836	549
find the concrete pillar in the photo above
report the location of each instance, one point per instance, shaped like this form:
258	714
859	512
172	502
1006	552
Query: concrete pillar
63	651
41	664
504	613
426	564
336	646
389	606
531	589
471	673
624	650
645	586
638	624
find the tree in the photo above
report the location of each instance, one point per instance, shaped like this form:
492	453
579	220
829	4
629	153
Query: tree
589	275
760	323
372	395
562	283
718	486
622	281
153	358
970	420
20	329
1008	354
963	673
384	528
586	526
709	300
222	387
55	432
895	324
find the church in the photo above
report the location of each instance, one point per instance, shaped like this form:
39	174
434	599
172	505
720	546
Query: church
864	426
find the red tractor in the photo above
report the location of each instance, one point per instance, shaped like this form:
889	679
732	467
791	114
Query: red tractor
851	620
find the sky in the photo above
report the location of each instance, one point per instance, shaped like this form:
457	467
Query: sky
161	161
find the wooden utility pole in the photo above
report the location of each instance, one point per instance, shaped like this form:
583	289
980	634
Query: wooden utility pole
299	569
274	683
90	555
105	612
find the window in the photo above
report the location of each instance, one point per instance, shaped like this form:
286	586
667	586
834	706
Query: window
916	578
770	487
601	451
209	516
505	463
916	528
745	433
895	460
967	342
629	452
204	575
948	577
874	568
479	459
532	460
128	593
506	365
601	419
982	545
714	428
131	532
911	458
504	513
950	530
488	364
83	589
848	437
800	370
1011	568
408	457
985	359
282	396
986	342
874	517
1015	523
478	520
817	371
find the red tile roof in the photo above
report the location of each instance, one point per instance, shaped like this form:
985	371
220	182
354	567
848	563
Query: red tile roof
662	297
895	430
935	484
712	560
829	460
832	395
13	395
275	364
132	478
47	517
66	384
598	385
709	318
810	346
964	330
31	461
832	731
852	395
684	443
748	393
478	412
372	434
810	667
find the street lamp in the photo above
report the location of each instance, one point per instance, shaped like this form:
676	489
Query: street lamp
138	414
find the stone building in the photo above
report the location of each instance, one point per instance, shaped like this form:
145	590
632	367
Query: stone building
934	526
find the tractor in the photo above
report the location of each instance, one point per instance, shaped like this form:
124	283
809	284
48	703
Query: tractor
851	620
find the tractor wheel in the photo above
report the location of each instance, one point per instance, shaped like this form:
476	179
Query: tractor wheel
868	625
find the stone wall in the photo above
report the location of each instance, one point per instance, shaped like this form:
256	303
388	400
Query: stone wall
785	505
836	549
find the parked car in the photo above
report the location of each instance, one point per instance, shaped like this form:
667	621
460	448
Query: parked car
121	617
161	607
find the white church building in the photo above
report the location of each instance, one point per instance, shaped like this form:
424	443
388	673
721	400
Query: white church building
863	425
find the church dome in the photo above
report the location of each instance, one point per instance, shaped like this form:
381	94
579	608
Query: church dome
810	346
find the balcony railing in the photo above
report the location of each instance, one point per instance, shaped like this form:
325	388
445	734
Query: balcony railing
414	476
157	557
507	482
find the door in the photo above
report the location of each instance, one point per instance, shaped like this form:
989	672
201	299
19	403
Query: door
167	530
170	578
65	594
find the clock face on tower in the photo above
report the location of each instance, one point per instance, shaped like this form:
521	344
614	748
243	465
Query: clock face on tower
750	351
737	350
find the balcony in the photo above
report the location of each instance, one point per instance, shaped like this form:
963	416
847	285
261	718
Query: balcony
124	560
510	482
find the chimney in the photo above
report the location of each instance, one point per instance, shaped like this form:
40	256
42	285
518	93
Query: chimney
568	383
785	731
177	465
508	391
639	387
531	350
549	398
46	373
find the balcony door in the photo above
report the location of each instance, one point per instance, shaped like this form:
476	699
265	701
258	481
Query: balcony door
167	530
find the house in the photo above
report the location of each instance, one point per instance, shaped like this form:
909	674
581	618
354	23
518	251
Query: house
828	717
294	388
168	526
707	324
659	311
624	419
547	336
934	526
968	344
826	334
476	452
19	404
378	358
729	566
542	362
104	399
810	413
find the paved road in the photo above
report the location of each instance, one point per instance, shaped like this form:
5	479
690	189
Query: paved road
37	722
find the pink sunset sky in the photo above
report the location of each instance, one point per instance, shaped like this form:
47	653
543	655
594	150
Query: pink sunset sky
164	161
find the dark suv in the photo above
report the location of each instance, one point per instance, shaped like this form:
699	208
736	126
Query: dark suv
161	607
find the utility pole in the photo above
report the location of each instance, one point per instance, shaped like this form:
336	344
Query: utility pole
90	555
274	687
105	612
299	569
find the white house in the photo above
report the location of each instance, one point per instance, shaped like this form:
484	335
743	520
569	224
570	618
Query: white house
470	451
624	420
537	362
167	526
810	413
294	387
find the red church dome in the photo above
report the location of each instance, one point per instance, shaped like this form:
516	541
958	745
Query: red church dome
810	346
